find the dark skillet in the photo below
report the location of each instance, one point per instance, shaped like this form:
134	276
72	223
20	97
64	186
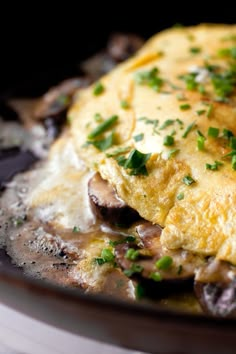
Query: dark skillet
137	326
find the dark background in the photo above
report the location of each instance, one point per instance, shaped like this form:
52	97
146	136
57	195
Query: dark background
44	44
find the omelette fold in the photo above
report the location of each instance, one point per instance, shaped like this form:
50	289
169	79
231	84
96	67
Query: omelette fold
160	128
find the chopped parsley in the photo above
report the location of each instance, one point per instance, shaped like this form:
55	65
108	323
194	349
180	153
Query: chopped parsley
139	137
188	180
190	81
76	229
164	263
136	162
98	89
150	78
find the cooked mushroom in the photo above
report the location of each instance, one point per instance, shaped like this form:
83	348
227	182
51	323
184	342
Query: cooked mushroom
106	203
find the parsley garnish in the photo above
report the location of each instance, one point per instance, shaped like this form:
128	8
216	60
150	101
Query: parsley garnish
168	140
76	229
135	162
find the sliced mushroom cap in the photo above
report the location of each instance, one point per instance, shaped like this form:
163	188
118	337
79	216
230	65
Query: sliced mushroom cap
106	203
121	46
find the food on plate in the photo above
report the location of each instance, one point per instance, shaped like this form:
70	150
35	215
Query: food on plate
137	195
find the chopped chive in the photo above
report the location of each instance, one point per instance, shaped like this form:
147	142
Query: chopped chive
172	153
227	133
101	128
139	291
200	112
76	229
118	151
195	50
107	255
136	162
180	269
127	239
188	130
233	162
103	144
214	166
150	78
188	180
209	110
168	140
180	122
98	89
164	263
184	106
180	196
200	142
231	153
213	132
156	276
124	104
232	142
139	137
98	117
167	123
132	254
135	268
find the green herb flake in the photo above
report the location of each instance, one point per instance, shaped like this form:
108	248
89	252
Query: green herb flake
135	268
103	144
139	291
214	166
98	117
132	254
209	110
189	129
104	126
213	132
180	269
139	137
150	78
195	50
98	89
107	255
188	180
200	112
232	142
190	81
127	239
168	140
227	134
124	104
201	142
76	229
172	153
156	276
164	263
167	123
180	196
135	162
184	107
233	162
180	97
118	151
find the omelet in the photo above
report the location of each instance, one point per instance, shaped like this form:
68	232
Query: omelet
160	128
